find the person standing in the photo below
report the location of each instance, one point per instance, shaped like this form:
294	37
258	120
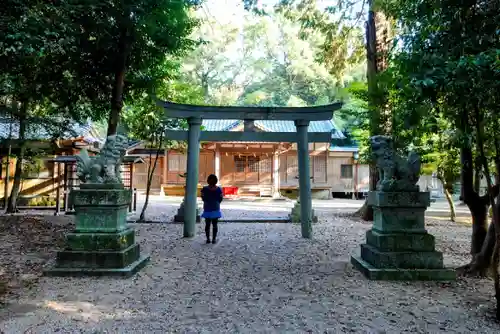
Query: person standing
212	197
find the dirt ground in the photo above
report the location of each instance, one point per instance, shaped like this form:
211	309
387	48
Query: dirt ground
259	278
27	243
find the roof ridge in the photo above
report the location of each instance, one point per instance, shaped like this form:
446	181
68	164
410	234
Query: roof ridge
231	126
259	124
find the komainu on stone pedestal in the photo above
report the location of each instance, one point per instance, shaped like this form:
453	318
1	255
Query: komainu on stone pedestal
398	246
395	172
102	243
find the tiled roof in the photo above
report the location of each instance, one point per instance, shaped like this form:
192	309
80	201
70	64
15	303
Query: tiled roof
219	124
274	126
40	132
336	148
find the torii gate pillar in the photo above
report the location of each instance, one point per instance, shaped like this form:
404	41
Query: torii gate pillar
193	158
304	178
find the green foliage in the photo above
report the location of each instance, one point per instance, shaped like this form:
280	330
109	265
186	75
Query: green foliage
354	118
42	201
34	49
144	120
443	92
461	74
212	65
343	45
268	60
126	43
33	164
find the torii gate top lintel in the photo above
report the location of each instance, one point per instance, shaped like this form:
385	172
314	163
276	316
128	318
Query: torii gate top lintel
315	113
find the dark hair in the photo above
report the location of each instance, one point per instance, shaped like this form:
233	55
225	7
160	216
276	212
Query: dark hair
212	180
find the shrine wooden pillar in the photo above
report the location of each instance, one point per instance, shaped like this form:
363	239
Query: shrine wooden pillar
304	178
58	190
193	159
276	175
217	164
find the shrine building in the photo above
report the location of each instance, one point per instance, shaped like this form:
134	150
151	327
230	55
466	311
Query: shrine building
265	169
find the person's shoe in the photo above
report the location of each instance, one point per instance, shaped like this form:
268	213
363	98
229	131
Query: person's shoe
208	241
214	241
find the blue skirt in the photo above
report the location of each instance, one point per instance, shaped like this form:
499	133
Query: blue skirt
211	214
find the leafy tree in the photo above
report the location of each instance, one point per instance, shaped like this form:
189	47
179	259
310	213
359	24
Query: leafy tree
354	118
81	58
441	157
449	57
146	121
122	46
211	65
33	54
290	74
342	47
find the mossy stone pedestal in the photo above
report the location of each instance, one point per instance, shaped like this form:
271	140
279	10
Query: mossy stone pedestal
179	217
398	247
294	216
102	243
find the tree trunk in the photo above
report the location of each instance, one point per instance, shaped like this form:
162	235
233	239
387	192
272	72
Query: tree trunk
496	242
151	171
366	211
205	88
118	84
16	186
483	237
478	206
378	39
477	179
479	212
447	187
497	158
7	163
491	198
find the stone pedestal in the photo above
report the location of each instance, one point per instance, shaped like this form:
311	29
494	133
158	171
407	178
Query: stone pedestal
294	216
179	217
102	243
398	247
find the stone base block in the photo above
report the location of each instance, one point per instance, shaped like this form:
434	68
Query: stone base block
398	246
402	260
399	199
101	209
399	220
98	259
180	218
125	272
397	274
294	216
400	242
100	241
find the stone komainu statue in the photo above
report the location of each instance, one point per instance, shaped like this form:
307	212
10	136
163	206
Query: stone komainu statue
105	167
395	172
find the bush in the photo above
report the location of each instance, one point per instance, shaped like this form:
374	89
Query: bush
42	201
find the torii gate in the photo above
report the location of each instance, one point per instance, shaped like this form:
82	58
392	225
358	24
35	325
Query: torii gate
300	115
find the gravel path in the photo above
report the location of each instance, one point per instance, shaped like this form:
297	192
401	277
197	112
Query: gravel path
164	209
260	278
